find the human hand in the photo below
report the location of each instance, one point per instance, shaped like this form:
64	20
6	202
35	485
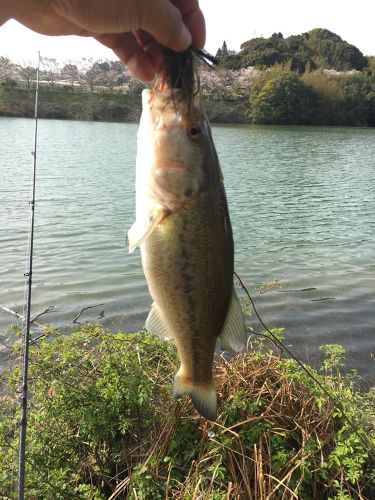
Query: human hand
136	30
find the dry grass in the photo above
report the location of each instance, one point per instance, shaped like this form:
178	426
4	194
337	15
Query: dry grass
272	439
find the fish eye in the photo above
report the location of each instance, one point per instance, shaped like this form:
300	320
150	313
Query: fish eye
195	131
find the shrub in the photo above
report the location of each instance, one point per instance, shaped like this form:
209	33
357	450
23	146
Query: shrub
283	98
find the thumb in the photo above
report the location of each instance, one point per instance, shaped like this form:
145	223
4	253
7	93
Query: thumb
164	22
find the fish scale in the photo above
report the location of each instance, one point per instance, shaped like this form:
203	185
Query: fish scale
191	289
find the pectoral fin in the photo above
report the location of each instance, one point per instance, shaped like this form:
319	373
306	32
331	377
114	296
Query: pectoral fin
139	232
232	336
155	323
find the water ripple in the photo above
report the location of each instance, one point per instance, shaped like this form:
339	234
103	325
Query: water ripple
302	209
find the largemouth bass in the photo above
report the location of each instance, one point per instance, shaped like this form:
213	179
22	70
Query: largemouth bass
184	232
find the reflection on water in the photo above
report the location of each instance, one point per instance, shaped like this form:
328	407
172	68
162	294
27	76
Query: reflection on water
302	208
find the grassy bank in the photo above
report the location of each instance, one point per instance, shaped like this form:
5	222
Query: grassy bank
103	424
65	104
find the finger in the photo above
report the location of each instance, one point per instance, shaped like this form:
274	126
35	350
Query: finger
111	16
163	20
160	18
143	64
48	22
194	20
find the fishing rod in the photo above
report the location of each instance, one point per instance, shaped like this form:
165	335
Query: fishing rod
28	284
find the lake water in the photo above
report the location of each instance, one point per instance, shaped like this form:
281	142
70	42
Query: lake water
303	212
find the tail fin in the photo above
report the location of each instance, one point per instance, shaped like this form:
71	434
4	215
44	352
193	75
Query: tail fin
203	396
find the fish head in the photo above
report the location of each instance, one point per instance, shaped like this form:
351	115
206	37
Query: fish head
172	139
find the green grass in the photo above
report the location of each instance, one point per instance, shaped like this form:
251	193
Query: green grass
103	424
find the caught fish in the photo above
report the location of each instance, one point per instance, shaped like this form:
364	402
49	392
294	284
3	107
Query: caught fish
184	232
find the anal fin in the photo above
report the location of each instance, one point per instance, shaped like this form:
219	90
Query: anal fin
233	334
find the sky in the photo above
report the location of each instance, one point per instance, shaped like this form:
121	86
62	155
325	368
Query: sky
235	22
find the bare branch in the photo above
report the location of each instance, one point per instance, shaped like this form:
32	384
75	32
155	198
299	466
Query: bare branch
14	313
4	344
49	308
20	316
84	309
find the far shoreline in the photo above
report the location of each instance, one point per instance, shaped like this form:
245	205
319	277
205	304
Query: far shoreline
103	107
116	107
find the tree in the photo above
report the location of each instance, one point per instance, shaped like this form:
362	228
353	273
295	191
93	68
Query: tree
357	89
27	73
70	73
89	72
95	75
111	79
371	64
317	48
50	70
107	74
330	51
283	98
7	70
264	51
371	109
228	59
117	74
223	51
121	72
302	56
231	60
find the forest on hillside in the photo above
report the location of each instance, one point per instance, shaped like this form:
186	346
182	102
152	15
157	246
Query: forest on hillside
318	48
311	78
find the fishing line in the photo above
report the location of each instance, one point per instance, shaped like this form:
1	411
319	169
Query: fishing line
28	283
280	345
